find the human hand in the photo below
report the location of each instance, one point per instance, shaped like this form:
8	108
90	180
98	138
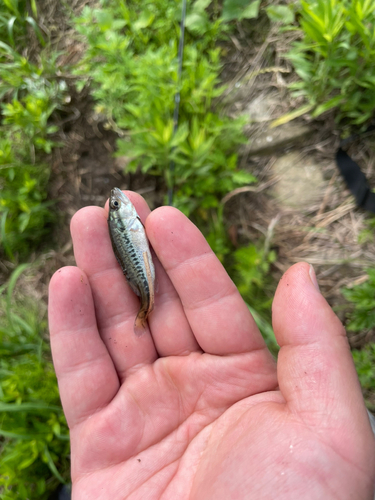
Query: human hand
197	408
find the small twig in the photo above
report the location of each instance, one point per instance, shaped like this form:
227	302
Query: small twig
249	189
270	232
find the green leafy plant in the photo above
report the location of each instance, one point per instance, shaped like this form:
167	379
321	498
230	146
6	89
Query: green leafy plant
249	267
251	264
217	235
334	59
266	330
283	14
364	361
362	297
29	117
15	17
135	79
30	93
240	9
34	442
25	215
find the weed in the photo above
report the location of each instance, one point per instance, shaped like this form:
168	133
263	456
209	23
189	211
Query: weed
217	235
30	95
240	9
283	14
265	328
334	59
25	214
364	361
15	18
249	267
34	441
362	297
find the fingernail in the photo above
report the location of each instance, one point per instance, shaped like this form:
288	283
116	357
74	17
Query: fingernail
313	278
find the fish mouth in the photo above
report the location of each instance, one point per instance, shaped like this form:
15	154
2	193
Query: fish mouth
116	193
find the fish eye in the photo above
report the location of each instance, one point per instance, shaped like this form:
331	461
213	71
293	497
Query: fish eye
115	204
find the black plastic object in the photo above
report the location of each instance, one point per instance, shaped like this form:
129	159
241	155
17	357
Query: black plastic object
354	177
356	181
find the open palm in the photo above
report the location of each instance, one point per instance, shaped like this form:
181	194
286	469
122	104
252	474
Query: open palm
197	408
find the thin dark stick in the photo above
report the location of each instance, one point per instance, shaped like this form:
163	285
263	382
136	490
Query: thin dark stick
177	98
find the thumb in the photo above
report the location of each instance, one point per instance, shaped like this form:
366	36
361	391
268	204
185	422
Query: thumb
316	372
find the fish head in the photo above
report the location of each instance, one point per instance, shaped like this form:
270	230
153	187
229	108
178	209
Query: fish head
119	204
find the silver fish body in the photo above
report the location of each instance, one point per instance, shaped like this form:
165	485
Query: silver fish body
130	245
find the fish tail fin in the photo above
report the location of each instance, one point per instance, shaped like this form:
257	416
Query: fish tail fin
140	324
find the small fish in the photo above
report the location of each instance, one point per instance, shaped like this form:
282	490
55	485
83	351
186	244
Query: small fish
130	245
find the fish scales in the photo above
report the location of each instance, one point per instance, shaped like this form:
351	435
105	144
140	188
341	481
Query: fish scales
131	248
128	256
